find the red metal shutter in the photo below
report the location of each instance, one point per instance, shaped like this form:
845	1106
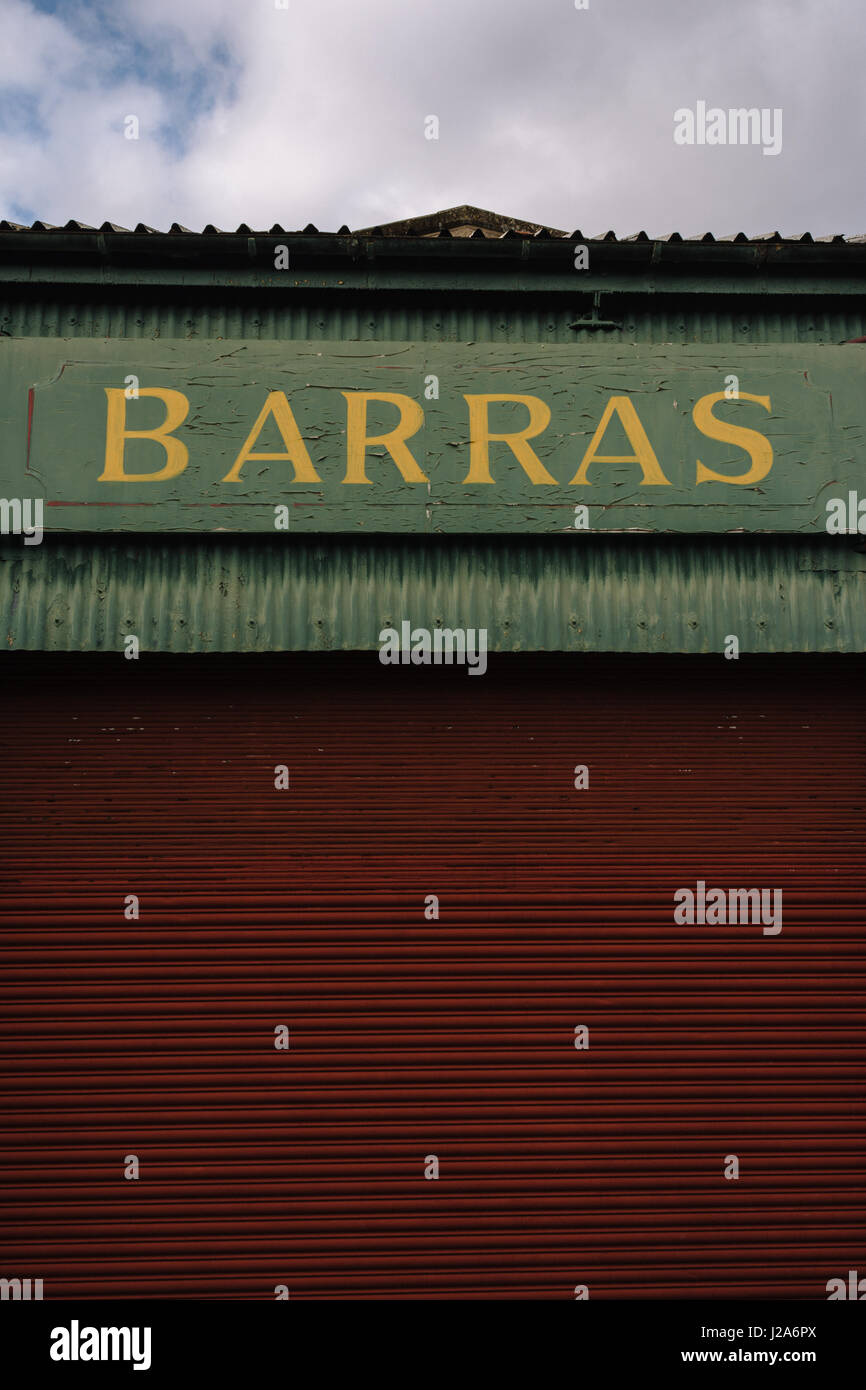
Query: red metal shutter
410	1037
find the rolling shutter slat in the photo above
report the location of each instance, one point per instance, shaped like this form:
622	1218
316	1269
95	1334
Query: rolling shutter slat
412	1037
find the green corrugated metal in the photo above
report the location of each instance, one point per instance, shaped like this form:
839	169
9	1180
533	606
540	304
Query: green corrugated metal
561	593
293	594
377	317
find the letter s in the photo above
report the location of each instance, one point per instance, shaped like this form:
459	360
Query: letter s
756	445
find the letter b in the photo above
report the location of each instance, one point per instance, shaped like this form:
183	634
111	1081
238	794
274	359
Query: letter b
116	434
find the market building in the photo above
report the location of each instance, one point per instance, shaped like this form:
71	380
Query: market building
328	969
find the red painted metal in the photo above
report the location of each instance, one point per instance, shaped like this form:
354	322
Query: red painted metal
411	1037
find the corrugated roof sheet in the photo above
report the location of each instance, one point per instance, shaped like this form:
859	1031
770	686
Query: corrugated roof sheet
464	223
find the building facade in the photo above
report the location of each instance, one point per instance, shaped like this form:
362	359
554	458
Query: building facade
349	952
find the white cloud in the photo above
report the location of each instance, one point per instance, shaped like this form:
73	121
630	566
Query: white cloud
316	113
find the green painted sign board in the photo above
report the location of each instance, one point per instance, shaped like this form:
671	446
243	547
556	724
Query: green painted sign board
252	436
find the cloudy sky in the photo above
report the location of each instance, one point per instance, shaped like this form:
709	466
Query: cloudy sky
250	112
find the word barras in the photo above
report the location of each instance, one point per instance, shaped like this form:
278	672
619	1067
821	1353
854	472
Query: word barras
277	411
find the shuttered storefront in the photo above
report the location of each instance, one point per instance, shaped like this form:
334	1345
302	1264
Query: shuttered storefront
412	1037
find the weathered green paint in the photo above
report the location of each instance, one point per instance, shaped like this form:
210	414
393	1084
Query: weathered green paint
615	594
53	421
228	311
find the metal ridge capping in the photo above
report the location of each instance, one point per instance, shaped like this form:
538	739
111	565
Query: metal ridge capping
369	233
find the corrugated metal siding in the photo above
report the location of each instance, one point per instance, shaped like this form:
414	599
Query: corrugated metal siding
411	1037
449	319
618	594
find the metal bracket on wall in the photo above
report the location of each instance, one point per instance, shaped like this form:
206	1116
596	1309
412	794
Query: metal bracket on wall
595	320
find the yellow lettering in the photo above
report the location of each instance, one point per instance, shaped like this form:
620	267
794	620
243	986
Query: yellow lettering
116	433
358	441
296	450
756	445
480	438
643	455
